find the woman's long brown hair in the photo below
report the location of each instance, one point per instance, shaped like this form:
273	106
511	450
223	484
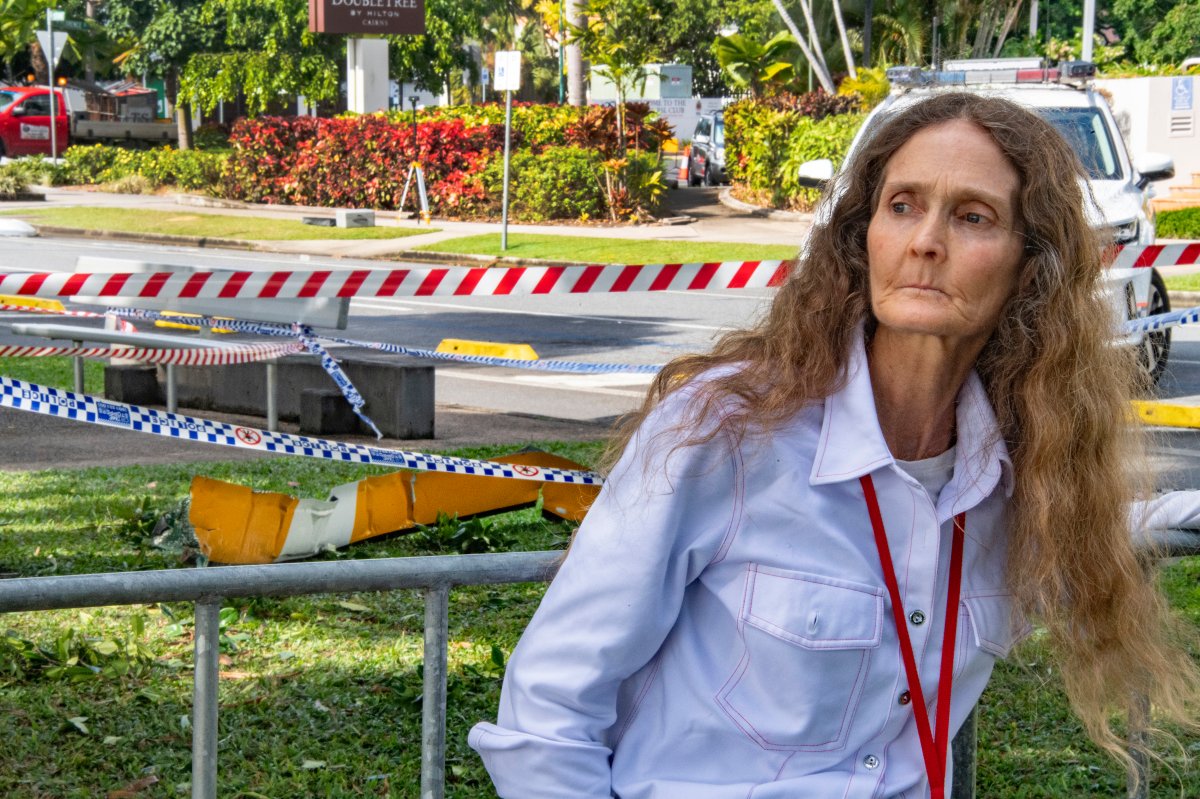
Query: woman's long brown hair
1059	387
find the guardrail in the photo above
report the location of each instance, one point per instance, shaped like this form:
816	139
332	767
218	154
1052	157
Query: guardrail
435	575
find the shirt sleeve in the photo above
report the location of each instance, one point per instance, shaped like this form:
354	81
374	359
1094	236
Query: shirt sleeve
662	516
1174	509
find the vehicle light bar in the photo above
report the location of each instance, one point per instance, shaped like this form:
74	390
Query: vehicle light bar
987	71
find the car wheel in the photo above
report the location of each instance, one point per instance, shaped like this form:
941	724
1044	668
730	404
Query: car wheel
693	178
708	176
1157	345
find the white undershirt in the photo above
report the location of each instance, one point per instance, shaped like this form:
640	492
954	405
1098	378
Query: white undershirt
932	473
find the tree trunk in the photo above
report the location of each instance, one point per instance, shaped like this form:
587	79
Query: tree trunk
183	110
819	68
575	94
37	60
841	26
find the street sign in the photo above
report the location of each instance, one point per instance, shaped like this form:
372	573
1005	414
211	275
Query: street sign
60	44
508	71
55	15
71	25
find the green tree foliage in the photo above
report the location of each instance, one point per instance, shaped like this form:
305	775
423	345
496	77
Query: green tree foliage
758	68
431	59
1173	39
265	51
619	38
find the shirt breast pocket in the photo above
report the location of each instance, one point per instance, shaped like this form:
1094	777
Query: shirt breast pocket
808	642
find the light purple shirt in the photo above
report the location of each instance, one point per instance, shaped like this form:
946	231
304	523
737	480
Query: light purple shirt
721	630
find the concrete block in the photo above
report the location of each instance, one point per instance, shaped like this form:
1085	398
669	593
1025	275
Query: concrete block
398	392
325	412
351	217
136	385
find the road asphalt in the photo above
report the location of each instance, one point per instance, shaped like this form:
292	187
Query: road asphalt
29	441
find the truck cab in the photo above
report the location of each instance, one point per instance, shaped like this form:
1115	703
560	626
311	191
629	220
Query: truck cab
25	121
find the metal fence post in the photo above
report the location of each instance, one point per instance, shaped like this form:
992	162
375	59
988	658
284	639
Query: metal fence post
1138	783
962	755
272	394
433	705
204	698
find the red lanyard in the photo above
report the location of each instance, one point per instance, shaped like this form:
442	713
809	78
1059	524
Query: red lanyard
933	747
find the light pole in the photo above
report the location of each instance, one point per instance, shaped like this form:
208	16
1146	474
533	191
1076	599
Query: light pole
562	46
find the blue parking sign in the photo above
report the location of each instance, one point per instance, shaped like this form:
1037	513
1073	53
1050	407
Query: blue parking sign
1181	94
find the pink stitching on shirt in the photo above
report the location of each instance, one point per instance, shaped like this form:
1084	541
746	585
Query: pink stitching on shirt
637	703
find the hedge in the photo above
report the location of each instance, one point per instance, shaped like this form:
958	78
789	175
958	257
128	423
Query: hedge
766	141
192	170
1181	224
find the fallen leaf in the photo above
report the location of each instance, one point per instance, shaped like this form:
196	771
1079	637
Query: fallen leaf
235	675
312	764
134	788
79	723
152	484
109	740
354	607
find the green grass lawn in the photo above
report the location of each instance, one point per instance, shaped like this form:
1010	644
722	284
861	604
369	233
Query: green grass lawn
1182	282
592	249
213	226
320	695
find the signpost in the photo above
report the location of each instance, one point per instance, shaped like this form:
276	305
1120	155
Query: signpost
508	80
52	16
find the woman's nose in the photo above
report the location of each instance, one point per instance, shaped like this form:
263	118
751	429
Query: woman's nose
929	237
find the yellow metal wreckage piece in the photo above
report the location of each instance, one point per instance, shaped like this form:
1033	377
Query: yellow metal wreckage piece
236	524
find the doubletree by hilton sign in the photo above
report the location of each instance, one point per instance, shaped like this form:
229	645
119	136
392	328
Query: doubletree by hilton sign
366	16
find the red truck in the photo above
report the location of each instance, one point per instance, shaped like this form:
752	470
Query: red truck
80	118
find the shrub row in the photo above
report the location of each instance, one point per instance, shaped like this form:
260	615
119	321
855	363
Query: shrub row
363	161
192	170
766	141
1181	224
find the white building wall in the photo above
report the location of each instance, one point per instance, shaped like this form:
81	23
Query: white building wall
1159	114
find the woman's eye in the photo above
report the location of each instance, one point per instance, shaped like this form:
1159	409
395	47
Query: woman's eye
974	218
900	208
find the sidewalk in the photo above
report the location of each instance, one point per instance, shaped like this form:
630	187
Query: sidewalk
725	225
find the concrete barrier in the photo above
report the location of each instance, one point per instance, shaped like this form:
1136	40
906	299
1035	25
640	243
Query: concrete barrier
398	392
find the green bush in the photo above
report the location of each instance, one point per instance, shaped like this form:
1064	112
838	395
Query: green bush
765	144
164	166
12	182
560	183
1181	224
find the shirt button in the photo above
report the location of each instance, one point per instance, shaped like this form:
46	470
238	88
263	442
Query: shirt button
905	698
871	762
917	617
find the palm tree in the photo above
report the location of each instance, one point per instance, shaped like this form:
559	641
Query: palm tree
756	67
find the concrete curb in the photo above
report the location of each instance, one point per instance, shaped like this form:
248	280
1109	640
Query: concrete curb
417	256
726	198
150	238
1176	412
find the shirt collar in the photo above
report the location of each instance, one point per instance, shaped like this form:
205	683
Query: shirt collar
852	444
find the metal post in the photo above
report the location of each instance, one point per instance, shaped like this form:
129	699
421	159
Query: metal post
433	706
1138	783
204	699
1089	29
507	140
172	399
50	72
562	50
78	367
272	398
962	755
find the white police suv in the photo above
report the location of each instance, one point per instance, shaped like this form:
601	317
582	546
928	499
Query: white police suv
1063	96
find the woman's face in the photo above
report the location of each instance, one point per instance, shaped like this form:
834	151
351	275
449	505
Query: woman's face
942	248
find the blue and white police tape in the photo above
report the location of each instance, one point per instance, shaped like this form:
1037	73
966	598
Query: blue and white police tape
541	365
331	367
25	396
1152	324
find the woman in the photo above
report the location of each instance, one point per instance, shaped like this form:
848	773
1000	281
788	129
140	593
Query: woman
929	425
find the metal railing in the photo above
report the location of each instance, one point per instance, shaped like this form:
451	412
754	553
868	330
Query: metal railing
434	575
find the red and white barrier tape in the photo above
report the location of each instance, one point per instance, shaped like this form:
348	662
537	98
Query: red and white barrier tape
189	357
455	281
1157	255
124	325
461	281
